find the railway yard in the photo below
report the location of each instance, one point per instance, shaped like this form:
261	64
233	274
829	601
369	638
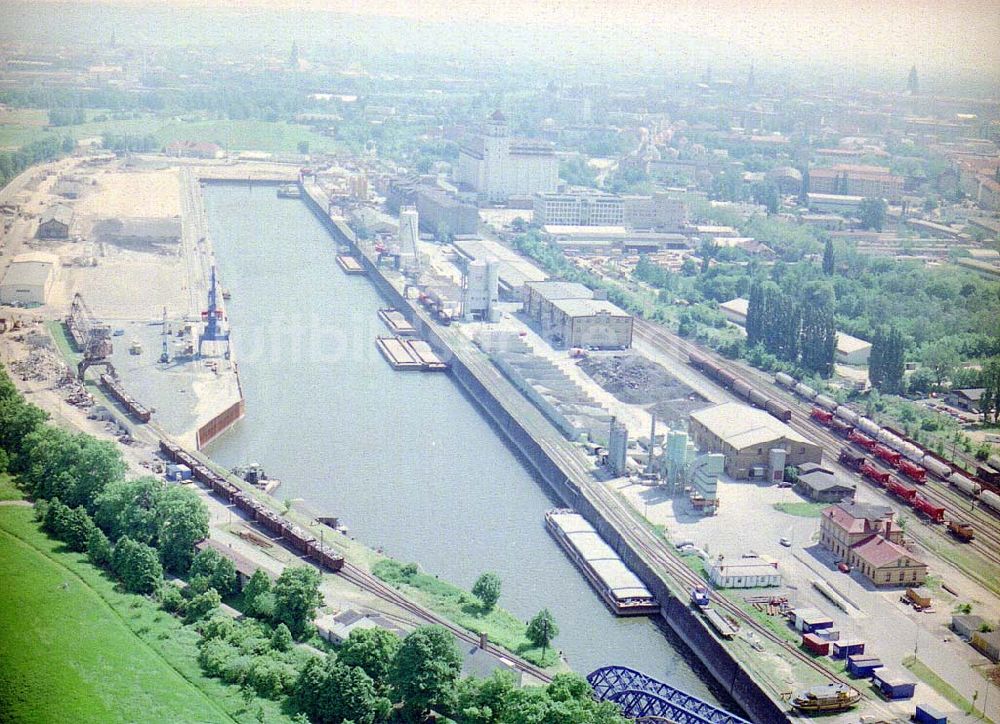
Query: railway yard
157	410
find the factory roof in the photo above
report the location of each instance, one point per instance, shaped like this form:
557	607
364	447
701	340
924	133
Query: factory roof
588	307
57	212
846	344
608	232
560	290
742	426
27	273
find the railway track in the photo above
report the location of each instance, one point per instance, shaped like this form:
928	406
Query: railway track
956	506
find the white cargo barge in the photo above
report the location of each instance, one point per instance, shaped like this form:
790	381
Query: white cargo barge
620	588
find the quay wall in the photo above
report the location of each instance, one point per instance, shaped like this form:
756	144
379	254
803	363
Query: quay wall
220	423
678	614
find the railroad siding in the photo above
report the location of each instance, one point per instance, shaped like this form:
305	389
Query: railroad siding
681	618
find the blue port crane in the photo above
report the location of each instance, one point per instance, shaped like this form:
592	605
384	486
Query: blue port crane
213	331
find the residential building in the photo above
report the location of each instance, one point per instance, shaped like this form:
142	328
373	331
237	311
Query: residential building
856	180
747	436
865	536
497	166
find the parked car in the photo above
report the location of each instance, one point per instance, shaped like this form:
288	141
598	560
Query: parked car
843	567
785	542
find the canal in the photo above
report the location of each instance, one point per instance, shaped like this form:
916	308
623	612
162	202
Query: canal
406	460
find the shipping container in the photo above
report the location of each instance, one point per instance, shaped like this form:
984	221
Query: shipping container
894	684
926	714
843	649
815	644
862	666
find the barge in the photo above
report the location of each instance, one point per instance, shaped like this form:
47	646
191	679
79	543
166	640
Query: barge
289	191
349	264
410	354
396	322
426	355
620	588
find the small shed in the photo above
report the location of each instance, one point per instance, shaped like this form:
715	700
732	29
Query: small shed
816	645
988	644
843	649
808	620
894	684
967	625
178	472
861	666
828	634
926	714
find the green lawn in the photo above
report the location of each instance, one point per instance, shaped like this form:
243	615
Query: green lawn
267	136
503	628
87	652
803	510
9	491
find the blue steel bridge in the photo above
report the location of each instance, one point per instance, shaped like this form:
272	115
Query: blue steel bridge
643	698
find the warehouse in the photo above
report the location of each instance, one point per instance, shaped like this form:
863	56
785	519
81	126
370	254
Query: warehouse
744	573
851	350
820	484
746	436
54	222
588	323
539	296
28	279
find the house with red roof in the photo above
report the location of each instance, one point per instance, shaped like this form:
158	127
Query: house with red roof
866	537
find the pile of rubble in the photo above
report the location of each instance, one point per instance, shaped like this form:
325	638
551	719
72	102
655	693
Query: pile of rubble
76	394
41	364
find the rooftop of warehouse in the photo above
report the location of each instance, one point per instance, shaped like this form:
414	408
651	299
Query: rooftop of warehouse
743	426
27	273
588	307
847	344
560	290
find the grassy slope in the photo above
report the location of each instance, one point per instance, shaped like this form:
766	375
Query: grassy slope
463	608
9	491
92	653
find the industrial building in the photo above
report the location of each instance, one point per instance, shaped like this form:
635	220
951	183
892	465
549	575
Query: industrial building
441	214
753	442
605	239
579	208
589	323
820	484
480	286
743	573
851	350
539	296
29	279
497	166
513	270
54	222
855	180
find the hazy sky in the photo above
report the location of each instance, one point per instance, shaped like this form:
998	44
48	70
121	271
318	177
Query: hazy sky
878	33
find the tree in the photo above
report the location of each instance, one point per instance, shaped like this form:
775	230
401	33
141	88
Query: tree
296	597
327	690
202	606
941	358
219	571
137	566
372	650
872	213
425	671
542	629
487	590
281	639
887	361
98	548
129	508
183	521
829	260
819	334
255	589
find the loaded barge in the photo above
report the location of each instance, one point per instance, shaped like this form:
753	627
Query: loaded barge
621	589
396	322
349	264
410	354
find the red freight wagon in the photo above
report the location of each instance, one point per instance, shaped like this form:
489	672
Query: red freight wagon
913	471
934	512
859	438
821	415
871	472
888	454
901	490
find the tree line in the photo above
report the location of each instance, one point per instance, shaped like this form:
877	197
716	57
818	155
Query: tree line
139	529
799	330
45	149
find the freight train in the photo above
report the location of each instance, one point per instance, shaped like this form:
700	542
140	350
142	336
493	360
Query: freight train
894	447
274	523
741	387
136	409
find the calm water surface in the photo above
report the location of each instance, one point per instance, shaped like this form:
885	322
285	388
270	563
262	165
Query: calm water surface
404	458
